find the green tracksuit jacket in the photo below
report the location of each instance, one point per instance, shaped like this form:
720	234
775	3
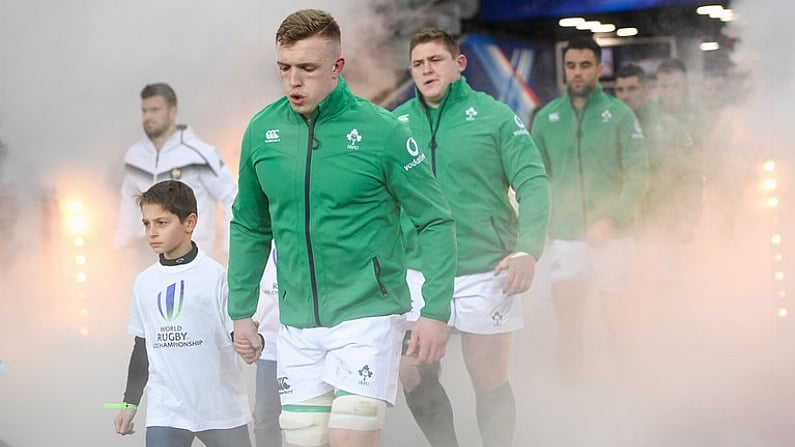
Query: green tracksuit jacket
676	187
478	149
596	161
329	192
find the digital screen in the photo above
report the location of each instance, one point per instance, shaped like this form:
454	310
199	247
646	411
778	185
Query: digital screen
501	10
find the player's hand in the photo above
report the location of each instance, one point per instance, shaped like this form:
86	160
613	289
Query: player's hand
601	232
428	341
248	343
124	422
521	270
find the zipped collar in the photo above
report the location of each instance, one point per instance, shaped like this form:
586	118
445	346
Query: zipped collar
595	97
455	90
336	102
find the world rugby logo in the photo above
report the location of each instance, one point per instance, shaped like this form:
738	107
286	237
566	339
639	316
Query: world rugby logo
170	305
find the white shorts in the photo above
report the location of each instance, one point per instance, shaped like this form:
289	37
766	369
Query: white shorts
609	269
358	356
479	306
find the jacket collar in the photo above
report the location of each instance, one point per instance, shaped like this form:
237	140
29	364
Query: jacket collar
455	90
596	96
337	101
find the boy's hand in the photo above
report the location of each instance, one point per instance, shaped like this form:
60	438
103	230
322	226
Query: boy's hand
248	343
124	422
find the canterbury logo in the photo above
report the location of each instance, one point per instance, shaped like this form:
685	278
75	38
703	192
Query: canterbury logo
170	304
272	136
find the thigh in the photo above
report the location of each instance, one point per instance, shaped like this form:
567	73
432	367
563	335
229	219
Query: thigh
486	358
230	437
168	437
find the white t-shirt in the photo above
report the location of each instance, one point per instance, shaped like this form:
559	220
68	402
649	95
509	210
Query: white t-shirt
196	381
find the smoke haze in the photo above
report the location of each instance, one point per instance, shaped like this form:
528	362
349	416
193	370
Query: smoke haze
714	373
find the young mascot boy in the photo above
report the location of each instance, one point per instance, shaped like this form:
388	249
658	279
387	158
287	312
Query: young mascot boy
183	351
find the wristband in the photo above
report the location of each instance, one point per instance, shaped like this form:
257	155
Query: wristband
122	405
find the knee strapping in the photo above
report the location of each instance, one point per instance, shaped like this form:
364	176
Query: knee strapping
354	412
306	423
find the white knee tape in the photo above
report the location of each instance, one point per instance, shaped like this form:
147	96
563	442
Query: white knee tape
306	423
352	412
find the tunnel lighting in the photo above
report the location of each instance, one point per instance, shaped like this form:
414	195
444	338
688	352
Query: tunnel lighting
79	241
80	277
604	28
80	259
782	312
709	46
781	294
779	276
778	257
84	330
769	165
627	32
727	15
589	25
708	9
772	202
84	312
75	206
567	22
769	184
775	239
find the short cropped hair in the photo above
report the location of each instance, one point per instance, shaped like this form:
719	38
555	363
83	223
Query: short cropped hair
174	196
631	70
308	23
160	89
584	43
672	66
435	35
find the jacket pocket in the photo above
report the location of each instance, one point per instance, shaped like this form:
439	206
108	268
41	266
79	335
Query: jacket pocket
377	271
499	238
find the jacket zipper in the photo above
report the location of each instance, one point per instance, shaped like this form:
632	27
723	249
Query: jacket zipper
377	270
582	176
312	274
435	128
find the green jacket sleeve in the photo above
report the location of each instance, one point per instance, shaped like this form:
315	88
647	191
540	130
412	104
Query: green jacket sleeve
522	163
411	182
250	235
634	168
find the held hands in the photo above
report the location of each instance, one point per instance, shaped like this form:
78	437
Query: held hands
428	341
601	232
521	270
124	422
248	343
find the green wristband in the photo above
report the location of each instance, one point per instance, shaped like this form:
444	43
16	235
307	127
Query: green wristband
122	405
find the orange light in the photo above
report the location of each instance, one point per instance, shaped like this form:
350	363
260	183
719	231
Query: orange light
79	241
80	277
775	239
772	202
779	276
782	312
80	259
769	165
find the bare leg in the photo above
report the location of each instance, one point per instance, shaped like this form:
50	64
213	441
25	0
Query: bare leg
569	298
486	358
